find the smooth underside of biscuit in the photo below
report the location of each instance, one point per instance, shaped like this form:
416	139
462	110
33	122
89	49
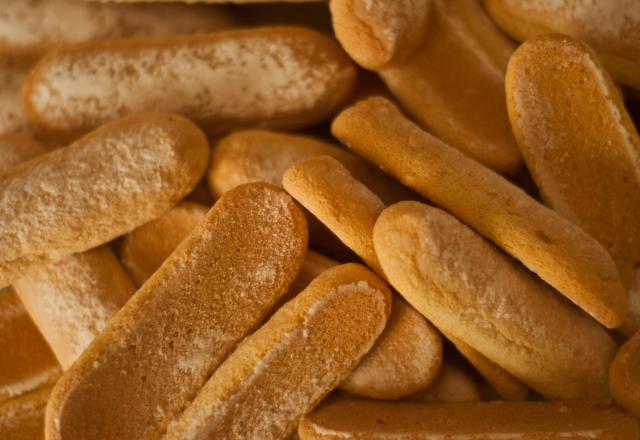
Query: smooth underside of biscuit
466	286
292	362
556	250
147	365
624	376
360	420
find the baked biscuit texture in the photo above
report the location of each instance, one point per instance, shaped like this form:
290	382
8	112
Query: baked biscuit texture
276	77
359	420
466	286
559	252
580	146
105	184
292	362
624	376
180	326
22	418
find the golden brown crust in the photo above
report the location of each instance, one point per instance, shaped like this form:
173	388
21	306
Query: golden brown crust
580	145
143	250
22	418
466	286
279	77
624	375
376	34
506	385
452	385
72	300
360	420
453	82
35	26
559	252
26	362
105	184
611	28
172	334
292	362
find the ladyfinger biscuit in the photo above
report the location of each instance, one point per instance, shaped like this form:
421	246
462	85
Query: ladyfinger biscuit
22	418
624	375
143	250
26	362
559	252
34	26
579	144
612	28
508	387
153	357
291	363
72	300
105	184
13	70
452	385
263	156
17	148
313	265
350	210
377	34
279	77
453	82
360	419
466	286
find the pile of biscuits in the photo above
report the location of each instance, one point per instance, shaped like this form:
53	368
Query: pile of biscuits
343	219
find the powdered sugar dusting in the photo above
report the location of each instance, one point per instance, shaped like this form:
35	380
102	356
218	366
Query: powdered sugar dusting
90	192
246	78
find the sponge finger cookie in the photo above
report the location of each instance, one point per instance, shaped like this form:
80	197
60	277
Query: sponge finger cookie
359	419
392	369
559	252
282	371
624	376
115	179
72	300
143	370
453	384
143	250
26	362
22	418
350	210
270	77
611	28
453	82
579	144
36	25
13	70
17	148
467	287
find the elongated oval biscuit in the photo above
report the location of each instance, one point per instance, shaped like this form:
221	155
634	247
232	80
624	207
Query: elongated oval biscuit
558	251
143	250
467	287
380	33
271	77
107	183
261	155
13	70
17	148
359	420
624	375
579	144
26	362
37	25
72	300
142	371
350	210
453	82
612	28
22	418
291	363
